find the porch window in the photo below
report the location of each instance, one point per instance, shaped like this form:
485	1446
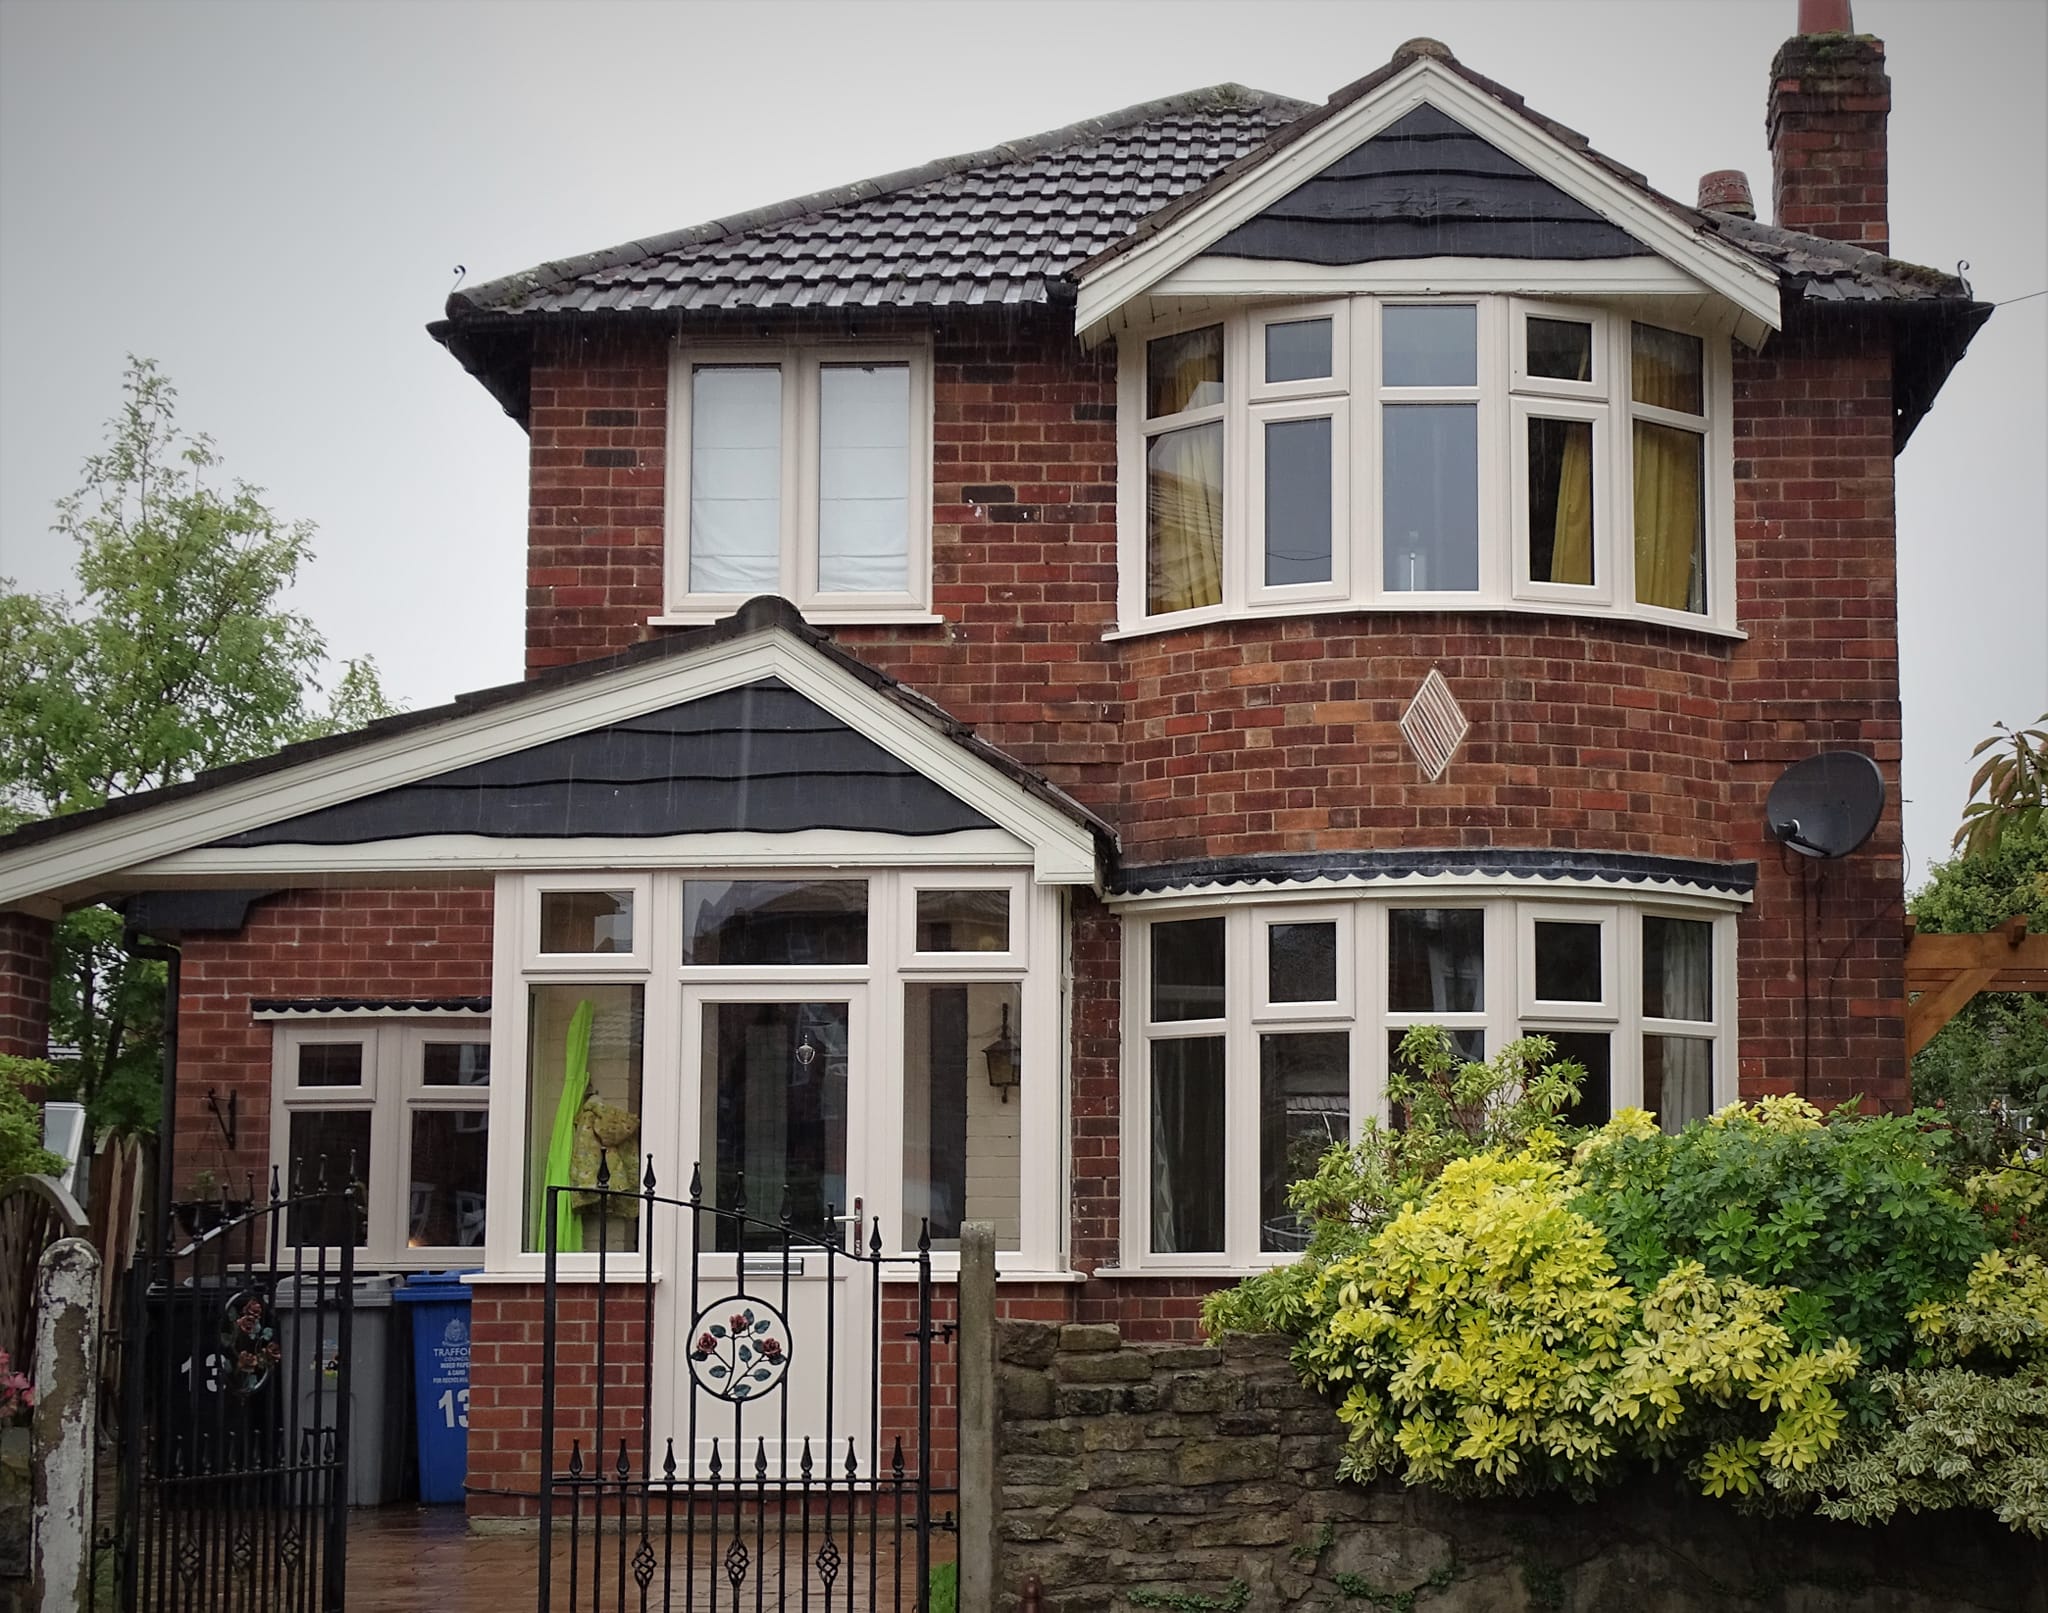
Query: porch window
1262	1031
583	1113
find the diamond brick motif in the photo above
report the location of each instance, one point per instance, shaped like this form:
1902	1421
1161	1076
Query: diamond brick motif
1434	725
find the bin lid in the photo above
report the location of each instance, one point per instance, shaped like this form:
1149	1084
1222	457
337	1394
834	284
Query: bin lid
435	1288
371	1293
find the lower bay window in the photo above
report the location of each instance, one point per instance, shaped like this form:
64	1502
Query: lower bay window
821	1045
1261	1032
400	1107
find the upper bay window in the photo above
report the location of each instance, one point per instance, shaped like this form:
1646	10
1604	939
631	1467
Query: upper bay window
1440	454
802	471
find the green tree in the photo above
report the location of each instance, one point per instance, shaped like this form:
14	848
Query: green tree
176	656
2013	780
1988	1066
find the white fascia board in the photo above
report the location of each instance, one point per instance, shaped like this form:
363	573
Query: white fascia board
1717	267
449	854
1063	850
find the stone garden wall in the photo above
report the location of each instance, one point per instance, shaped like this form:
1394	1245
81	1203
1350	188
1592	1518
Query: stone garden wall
1163	1476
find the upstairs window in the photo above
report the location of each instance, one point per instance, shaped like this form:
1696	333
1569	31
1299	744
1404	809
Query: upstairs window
804	472
1427	454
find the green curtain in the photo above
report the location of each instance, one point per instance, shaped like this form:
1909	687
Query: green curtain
562	1140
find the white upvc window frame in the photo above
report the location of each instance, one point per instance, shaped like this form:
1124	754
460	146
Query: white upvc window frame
1506	397
1509	1011
669	1120
800	364
391	1092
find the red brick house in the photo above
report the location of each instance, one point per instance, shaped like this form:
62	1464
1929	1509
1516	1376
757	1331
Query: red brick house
1094	637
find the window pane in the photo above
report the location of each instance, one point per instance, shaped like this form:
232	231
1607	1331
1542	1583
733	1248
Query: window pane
864	478
735	479
1436	960
1592	1050
1184	371
1567	962
1665	368
455	1064
445	1199
1304	1107
775	1081
1187	970
1298	350
1671	529
1678	968
1187	1146
1297	501
1301	963
1431	346
1432	497
776	923
1184	519
1560	349
330	1146
584	922
583	1107
961	1133
963	921
330	1064
1561	501
1678	1079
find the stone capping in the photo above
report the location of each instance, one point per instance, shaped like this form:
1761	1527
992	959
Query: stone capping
1202	1477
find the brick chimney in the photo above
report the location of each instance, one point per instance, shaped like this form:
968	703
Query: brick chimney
1830	99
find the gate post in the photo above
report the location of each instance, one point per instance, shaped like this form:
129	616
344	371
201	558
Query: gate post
977	1388
67	1373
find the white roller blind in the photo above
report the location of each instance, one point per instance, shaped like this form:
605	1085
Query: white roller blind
736	479
864	479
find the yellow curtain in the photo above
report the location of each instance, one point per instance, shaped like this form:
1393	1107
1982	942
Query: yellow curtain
1669	560
1184	519
1184	371
1571	555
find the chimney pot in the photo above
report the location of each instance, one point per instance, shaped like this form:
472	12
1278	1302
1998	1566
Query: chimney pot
1726	190
1825	17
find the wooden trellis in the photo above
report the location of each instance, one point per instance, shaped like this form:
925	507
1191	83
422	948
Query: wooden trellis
1943	972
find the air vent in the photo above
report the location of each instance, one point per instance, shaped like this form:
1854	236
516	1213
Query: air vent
1434	726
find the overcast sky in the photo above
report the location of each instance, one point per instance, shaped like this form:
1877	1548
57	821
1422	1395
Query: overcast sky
271	199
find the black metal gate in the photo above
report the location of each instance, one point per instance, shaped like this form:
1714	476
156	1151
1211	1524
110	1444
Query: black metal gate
726	1490
235	1407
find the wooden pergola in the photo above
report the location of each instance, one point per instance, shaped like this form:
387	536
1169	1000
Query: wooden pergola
1943	972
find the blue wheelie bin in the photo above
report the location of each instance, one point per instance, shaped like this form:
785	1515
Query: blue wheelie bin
439	1301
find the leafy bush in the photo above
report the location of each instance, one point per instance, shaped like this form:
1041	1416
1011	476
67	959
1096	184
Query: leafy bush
1797	1310
21	1119
1450	1108
1861	1217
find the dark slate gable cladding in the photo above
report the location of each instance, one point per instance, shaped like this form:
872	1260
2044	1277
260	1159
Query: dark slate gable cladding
1423	187
761	758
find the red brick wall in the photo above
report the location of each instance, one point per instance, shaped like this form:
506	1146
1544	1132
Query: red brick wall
24	985
1818	594
1830	101
433	942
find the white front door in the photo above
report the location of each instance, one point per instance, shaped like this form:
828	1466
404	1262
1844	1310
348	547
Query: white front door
769	1328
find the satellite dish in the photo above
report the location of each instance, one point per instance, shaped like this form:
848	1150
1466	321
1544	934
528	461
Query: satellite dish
1827	805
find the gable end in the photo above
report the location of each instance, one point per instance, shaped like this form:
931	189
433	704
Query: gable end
1426	186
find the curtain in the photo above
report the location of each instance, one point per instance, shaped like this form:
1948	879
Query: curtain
1670	558
1184	519
1560	501
1183	372
1678	1079
562	1139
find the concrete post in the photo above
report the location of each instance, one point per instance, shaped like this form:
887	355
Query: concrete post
67	1348
978	1415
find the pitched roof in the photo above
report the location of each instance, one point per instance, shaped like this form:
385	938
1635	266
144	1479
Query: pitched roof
420	728
997	226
